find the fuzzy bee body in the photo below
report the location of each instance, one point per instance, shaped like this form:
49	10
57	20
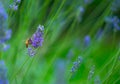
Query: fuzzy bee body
28	42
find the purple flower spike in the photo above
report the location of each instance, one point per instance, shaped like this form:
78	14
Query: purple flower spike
37	38
115	6
36	41
6	47
88	1
3	17
91	72
18	1
87	40
3	14
31	52
14	7
76	64
114	20
8	34
5	34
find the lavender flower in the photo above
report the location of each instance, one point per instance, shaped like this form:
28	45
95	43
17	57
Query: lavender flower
15	5
87	40
91	72
80	13
88	1
31	52
36	40
3	73
115	21
5	34
76	64
115	6
3	16
82	10
97	80
4	47
18	1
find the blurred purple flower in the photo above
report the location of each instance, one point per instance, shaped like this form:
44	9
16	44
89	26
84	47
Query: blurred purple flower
18	1
114	20
6	47
70	54
14	7
87	40
3	73
31	52
8	34
80	13
60	67
97	80
99	34
81	9
91	72
3	16
76	64
5	34
88	1
115	6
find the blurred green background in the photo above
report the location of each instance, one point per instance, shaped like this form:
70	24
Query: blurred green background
66	25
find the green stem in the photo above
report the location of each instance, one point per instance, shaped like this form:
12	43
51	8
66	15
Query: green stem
28	69
15	74
115	60
53	19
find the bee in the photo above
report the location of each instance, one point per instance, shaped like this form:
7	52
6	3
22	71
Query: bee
28	42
